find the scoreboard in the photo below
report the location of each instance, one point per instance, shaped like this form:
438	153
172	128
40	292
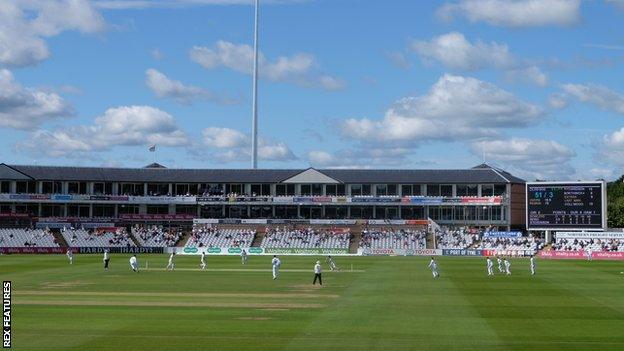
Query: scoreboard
566	205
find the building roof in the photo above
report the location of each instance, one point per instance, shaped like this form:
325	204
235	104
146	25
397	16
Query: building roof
480	174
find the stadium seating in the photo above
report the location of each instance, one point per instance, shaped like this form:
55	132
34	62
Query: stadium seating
377	238
84	238
208	236
523	243
455	238
612	245
12	237
156	236
309	238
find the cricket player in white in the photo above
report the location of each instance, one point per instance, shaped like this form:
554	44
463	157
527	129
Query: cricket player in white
434	267
202	263
588	252
70	256
332	264
134	264
171	264
318	270
106	260
507	266
490	266
276	263
243	256
500	264
532	265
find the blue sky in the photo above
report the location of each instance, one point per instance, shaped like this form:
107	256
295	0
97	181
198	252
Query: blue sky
534	86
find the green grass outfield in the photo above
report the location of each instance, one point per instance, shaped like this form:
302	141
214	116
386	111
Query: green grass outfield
386	303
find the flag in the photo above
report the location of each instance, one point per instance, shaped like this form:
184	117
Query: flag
152	148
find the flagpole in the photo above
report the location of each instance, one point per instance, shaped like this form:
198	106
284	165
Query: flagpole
254	128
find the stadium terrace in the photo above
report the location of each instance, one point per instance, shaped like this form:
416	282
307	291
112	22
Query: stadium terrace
479	196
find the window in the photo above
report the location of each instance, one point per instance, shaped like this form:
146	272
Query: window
366	190
406	190
306	189
317	189
181	189
392	189
234	189
186	209
128	209
381	189
46	187
330	190
157	209
285	189
5	187
356	189
29	187
467	190
433	190
500	190
73	187
77	210
103	210
261	189
157	189
446	190
487	190
132	189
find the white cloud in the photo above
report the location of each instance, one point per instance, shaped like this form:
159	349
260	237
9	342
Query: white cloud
515	13
165	87
147	4
454	51
232	145
530	158
27	108
558	101
531	74
24	25
300	69
597	95
456	107
119	126
611	148
157	54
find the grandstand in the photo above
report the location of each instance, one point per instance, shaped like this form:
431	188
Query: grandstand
101	237
305	238
529	243
393	238
456	238
206	235
156	235
589	244
18	237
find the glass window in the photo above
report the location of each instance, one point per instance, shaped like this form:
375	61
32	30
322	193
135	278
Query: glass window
46	187
433	190
73	188
317	189
306	189
446	190
487	190
462	190
330	190
500	190
356	189
366	190
406	190
234	189
5	187
392	189
381	189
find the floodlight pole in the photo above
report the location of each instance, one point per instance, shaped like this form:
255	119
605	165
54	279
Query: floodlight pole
254	128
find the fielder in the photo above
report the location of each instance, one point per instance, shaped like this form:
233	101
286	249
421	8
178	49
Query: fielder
134	264
243	256
70	256
507	266
332	264
589	254
171	264
276	263
106	259
202	263
490	266
500	264
318	270
533	265
434	267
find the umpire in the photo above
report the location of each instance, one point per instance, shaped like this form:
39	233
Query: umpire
317	273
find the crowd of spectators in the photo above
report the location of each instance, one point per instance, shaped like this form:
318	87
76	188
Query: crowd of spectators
522	243
390	238
24	237
455	238
102	237
156	235
606	244
206	235
292	237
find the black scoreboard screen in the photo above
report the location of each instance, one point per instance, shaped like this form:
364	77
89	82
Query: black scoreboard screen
566	205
